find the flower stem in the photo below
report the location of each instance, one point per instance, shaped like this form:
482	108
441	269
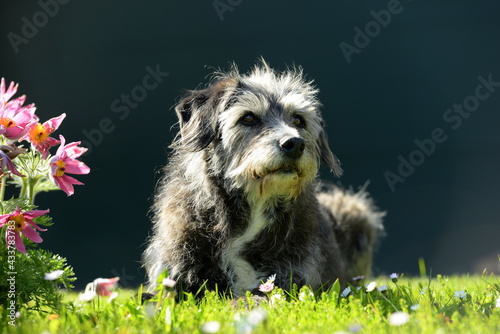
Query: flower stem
3	180
24	185
32	181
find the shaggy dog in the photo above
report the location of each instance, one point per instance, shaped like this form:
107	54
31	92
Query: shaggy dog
239	199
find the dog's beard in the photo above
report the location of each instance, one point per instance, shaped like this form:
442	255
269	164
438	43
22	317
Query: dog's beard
282	181
261	179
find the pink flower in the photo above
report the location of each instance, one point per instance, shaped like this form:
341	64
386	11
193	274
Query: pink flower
5	95
22	223
168	283
268	286
65	162
39	134
15	120
103	286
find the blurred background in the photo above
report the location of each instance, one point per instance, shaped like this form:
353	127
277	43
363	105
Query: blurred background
410	93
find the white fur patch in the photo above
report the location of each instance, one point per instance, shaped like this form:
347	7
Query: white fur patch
243	276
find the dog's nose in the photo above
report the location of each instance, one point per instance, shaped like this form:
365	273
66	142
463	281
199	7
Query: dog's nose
293	147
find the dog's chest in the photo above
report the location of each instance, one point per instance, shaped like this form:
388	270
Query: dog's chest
241	273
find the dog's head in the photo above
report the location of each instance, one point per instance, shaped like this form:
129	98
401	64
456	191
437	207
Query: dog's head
264	130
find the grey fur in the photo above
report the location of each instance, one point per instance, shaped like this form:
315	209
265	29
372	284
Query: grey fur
238	201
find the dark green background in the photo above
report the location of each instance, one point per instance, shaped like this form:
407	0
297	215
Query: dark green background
395	91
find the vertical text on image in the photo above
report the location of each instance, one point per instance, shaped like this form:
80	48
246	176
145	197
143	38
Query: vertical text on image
11	273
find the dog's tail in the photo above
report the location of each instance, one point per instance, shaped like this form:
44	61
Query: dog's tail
357	223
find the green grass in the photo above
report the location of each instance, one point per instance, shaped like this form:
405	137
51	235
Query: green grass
439	310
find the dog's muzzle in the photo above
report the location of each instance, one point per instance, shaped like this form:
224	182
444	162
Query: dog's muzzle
292	149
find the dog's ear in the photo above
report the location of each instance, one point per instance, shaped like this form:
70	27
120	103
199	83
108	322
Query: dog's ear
327	156
198	116
197	121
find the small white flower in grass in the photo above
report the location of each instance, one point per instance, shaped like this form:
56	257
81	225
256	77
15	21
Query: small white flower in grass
53	275
168	283
89	293
415	307
112	296
498	302
268	286
399	318
276	298
257	316
87	296
394	277
461	294
382	288
371	286
346	292
305	294
210	327
271	278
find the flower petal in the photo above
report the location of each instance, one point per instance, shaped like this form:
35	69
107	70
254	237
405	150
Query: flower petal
60	149
35	213
7	94
31	234
33	224
73	150
65	183
4	219
65	186
76	167
55	122
19	243
72	180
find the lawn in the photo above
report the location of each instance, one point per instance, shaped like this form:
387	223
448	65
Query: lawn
456	304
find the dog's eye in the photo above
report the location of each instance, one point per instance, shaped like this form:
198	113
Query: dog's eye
298	121
249	119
